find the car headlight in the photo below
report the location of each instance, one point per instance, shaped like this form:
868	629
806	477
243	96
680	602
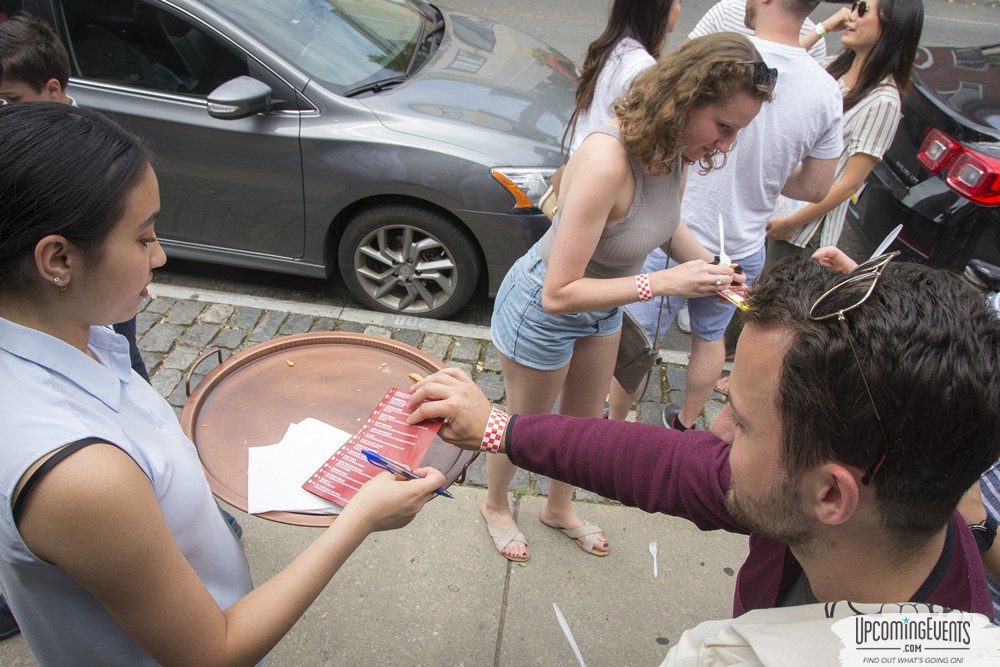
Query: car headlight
526	185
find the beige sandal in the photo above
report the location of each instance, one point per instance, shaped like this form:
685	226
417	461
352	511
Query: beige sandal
503	536
585	537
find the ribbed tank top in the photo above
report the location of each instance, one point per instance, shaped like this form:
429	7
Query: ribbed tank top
651	220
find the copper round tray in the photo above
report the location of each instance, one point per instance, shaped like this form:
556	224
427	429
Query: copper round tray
338	378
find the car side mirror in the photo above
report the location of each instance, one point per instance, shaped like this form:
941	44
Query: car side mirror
238	98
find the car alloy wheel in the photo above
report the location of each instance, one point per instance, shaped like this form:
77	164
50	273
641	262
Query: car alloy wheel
408	260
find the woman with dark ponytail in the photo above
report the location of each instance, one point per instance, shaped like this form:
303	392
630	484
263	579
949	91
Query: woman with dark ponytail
636	33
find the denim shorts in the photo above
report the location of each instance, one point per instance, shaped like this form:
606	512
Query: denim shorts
525	333
710	315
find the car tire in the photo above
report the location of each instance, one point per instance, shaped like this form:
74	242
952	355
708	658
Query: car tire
408	260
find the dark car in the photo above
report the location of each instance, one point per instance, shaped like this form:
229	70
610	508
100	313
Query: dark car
941	176
401	143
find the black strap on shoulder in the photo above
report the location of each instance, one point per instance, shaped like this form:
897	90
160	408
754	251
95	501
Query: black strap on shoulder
43	469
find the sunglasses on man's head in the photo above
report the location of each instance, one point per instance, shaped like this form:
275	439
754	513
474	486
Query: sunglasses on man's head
845	296
861	7
763	75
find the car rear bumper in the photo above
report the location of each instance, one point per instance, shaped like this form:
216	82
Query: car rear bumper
940	227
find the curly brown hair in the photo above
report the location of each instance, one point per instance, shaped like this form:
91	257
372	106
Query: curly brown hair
654	112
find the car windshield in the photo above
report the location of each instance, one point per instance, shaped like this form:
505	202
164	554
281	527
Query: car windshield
346	44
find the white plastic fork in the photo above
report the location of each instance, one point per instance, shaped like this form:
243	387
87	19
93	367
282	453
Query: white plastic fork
723	257
652	551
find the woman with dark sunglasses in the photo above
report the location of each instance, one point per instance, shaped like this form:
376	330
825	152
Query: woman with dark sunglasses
880	39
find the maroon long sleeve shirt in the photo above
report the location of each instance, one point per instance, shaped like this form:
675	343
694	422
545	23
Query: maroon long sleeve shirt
687	475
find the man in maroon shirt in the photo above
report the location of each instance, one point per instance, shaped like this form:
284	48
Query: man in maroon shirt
861	408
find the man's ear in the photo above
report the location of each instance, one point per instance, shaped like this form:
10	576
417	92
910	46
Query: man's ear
724	425
53	90
835	494
55	257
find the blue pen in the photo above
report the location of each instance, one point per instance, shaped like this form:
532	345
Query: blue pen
380	461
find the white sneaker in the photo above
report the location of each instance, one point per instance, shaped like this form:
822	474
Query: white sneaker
684	320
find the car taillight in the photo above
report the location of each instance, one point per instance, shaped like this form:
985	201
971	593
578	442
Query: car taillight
936	150
976	176
966	171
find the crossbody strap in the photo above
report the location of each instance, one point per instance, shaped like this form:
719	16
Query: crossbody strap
659	321
43	469
659	313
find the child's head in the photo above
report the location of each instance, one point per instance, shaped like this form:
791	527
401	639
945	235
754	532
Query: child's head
33	60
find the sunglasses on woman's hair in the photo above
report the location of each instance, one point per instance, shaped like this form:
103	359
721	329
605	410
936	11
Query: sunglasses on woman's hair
763	75
842	298
861	7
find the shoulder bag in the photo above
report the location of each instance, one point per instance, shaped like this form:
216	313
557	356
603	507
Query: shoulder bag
636	353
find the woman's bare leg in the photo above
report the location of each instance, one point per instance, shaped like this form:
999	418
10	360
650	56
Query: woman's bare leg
582	395
529	391
620	401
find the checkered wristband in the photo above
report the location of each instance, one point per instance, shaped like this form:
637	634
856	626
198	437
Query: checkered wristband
493	435
642	287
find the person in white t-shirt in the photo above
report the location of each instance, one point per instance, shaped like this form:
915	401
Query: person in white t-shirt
880	40
790	148
730	16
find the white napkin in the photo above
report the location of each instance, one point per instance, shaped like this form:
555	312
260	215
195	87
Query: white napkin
275	473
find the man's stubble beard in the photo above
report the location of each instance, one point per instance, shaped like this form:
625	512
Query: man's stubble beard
778	516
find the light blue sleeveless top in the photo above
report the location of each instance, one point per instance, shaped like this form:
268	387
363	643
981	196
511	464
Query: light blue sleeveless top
52	394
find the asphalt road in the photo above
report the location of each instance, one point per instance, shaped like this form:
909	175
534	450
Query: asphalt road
569	25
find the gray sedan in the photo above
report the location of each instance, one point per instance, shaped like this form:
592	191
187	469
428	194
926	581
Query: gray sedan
399	142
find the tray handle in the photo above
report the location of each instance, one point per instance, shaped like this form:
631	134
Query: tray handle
461	477
198	362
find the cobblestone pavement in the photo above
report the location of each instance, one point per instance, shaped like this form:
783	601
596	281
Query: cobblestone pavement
178	325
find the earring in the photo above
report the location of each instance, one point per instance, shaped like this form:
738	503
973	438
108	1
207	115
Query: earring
56	279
